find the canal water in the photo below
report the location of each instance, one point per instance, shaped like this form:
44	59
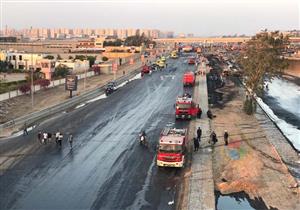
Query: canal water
239	201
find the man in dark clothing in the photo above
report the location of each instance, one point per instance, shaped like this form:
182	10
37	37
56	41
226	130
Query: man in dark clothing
226	135
196	144
209	114
213	137
40	136
25	132
199	133
199	113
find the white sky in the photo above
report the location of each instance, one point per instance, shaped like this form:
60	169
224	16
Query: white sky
201	17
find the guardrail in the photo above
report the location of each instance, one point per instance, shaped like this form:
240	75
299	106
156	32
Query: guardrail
33	118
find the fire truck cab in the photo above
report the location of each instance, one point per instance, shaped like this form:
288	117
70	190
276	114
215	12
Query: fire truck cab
171	148
186	108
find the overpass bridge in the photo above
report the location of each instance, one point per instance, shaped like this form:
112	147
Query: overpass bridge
205	40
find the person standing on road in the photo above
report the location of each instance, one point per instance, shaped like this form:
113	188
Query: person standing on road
70	139
57	134
25	132
45	137
226	135
60	138
40	136
196	144
199	133
213	138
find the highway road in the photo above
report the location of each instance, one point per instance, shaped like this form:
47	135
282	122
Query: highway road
107	168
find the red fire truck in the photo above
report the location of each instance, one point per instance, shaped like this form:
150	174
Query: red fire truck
188	79
171	147
186	108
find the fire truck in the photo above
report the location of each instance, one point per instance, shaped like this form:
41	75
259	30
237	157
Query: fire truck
186	108
189	79
171	147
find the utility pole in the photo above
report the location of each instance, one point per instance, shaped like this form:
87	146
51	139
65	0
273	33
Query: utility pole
84	81
32	76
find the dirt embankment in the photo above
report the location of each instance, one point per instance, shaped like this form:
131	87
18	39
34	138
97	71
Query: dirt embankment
249	163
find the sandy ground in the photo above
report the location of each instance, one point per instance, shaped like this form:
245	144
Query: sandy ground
5	77
249	163
18	106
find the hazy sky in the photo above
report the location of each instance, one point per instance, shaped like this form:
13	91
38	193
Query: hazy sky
201	17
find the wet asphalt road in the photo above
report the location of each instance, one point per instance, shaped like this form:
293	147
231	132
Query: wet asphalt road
107	168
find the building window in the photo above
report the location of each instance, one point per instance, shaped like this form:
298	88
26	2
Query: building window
20	57
14	57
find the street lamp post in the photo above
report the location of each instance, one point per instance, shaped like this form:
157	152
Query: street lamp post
32	103
84	81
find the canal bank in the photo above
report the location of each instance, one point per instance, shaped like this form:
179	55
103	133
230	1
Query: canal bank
250	163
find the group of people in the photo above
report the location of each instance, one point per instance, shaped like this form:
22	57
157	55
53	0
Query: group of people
45	137
212	140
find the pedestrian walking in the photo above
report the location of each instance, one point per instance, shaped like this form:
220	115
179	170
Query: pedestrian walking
45	137
123	72
25	132
57	134
199	133
70	139
226	135
199	113
196	144
213	138
40	136
60	138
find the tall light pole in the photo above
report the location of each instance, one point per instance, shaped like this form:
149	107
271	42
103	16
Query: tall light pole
32	104
84	81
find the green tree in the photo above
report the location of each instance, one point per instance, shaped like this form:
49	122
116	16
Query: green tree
4	65
138	40
61	71
104	58
70	57
262	59
51	57
59	57
80	57
91	60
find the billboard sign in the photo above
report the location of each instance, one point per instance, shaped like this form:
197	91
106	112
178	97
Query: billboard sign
71	82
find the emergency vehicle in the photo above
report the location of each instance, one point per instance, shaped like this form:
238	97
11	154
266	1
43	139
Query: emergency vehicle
189	79
171	147
145	69
186	108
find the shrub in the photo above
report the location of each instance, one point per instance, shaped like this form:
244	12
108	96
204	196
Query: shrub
25	88
50	57
44	83
104	58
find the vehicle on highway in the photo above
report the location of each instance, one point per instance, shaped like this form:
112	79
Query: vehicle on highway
161	64
146	54
145	69
143	138
174	55
171	148
110	88
192	61
187	48
186	108
163	58
189	79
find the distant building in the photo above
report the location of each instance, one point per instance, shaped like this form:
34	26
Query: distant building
75	66
8	39
23	60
